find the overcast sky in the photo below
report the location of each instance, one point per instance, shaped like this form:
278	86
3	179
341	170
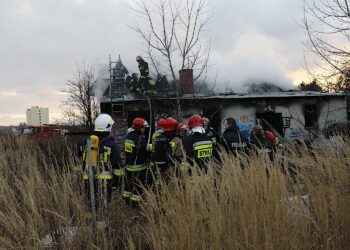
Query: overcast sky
42	40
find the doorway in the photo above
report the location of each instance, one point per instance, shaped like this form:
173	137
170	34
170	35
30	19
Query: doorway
271	119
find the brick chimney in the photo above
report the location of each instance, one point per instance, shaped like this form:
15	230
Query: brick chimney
186	81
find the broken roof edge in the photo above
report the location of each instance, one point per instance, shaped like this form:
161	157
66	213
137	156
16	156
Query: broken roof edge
284	94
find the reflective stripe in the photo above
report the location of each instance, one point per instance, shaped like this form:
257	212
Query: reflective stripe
118	172
127	194
203	149
130	141
203	146
107	152
172	144
105	175
85	176
84	155
136	198
134	168
201	143
129	145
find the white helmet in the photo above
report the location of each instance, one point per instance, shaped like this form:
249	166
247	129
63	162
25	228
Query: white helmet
104	123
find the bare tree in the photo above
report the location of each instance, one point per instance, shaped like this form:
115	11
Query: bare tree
81	106
172	32
327	26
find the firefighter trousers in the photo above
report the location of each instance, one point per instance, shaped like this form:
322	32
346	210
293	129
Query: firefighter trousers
134	184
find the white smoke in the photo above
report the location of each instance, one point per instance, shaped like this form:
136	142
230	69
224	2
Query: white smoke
102	81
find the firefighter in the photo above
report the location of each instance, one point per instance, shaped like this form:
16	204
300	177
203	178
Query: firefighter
232	140
136	157
210	131
152	165
162	84
198	146
135	84
182	130
105	156
168	148
214	136
144	73
159	130
260	143
143	67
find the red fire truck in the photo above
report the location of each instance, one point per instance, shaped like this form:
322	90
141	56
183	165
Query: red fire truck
45	131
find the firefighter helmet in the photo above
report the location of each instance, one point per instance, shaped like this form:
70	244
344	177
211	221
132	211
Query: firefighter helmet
139	123
270	136
195	121
160	123
138	58
170	125
103	123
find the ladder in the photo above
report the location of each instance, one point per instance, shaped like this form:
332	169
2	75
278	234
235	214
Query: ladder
116	89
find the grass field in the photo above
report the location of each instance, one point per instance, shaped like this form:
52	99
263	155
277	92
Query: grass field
245	203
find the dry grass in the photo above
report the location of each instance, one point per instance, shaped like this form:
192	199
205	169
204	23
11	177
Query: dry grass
247	209
233	209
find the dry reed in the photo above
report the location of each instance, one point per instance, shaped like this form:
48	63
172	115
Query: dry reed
241	204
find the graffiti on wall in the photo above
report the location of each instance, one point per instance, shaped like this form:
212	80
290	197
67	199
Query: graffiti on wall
245	123
295	128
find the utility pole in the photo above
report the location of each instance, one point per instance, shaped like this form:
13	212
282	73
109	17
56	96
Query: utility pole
92	191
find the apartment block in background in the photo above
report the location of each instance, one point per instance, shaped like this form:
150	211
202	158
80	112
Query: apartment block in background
37	116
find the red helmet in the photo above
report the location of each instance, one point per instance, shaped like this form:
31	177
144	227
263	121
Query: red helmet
134	74
170	125
160	123
270	136
139	123
138	58
195	121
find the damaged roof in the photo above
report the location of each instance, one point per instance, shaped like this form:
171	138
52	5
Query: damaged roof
284	94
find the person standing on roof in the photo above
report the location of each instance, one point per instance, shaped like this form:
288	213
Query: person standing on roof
132	84
136	157
232	140
144	73
143	67
198	146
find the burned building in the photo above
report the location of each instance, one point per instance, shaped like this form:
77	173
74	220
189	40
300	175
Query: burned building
292	114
